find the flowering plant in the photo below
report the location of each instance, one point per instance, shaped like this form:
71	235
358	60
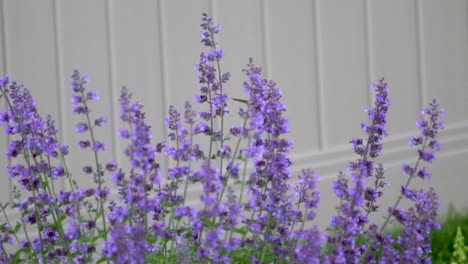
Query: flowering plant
256	215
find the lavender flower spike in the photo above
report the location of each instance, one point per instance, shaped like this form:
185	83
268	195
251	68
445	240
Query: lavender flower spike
358	201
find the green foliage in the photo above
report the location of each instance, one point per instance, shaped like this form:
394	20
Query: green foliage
459	254
443	239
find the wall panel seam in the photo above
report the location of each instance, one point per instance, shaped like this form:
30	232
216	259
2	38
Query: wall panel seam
320	107
111	72
5	71
163	71
59	74
420	54
265	37
369	49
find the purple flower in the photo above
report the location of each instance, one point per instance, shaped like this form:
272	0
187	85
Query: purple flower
25	244
50	235
88	169
117	177
418	222
58	172
173	121
99	146
426	155
92	96
208	31
308	246
4	81
424	173
407	170
111	166
189	114
81	128
307	193
37	244
84	144
100	121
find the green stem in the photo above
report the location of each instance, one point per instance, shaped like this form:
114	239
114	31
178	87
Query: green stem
244	173
210	150
39	228
57	223
8	222
222	110
228	172
72	186
266	233
98	167
5	254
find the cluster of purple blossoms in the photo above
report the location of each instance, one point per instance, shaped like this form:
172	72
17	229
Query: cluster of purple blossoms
153	222
419	220
269	201
129	221
358	200
212	81
34	139
80	100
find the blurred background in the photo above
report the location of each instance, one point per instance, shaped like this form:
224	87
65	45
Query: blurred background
323	54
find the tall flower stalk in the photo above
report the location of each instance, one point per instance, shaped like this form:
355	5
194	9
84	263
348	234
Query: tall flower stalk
357	201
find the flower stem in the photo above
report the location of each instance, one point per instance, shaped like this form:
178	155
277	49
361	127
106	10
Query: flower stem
98	166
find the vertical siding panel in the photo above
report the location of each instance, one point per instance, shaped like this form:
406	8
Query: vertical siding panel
446	55
5	192
85	48
294	68
395	57
31	47
344	75
137	66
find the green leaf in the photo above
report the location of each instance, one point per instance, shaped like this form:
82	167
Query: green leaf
17	257
154	258
208	223
151	238
101	260
16	228
243	230
240	255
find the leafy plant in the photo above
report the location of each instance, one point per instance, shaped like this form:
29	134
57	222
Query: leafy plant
443	239
256	217
459	248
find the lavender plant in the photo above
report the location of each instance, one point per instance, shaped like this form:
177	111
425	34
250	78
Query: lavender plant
252	209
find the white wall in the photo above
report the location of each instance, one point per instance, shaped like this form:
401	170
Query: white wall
324	54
